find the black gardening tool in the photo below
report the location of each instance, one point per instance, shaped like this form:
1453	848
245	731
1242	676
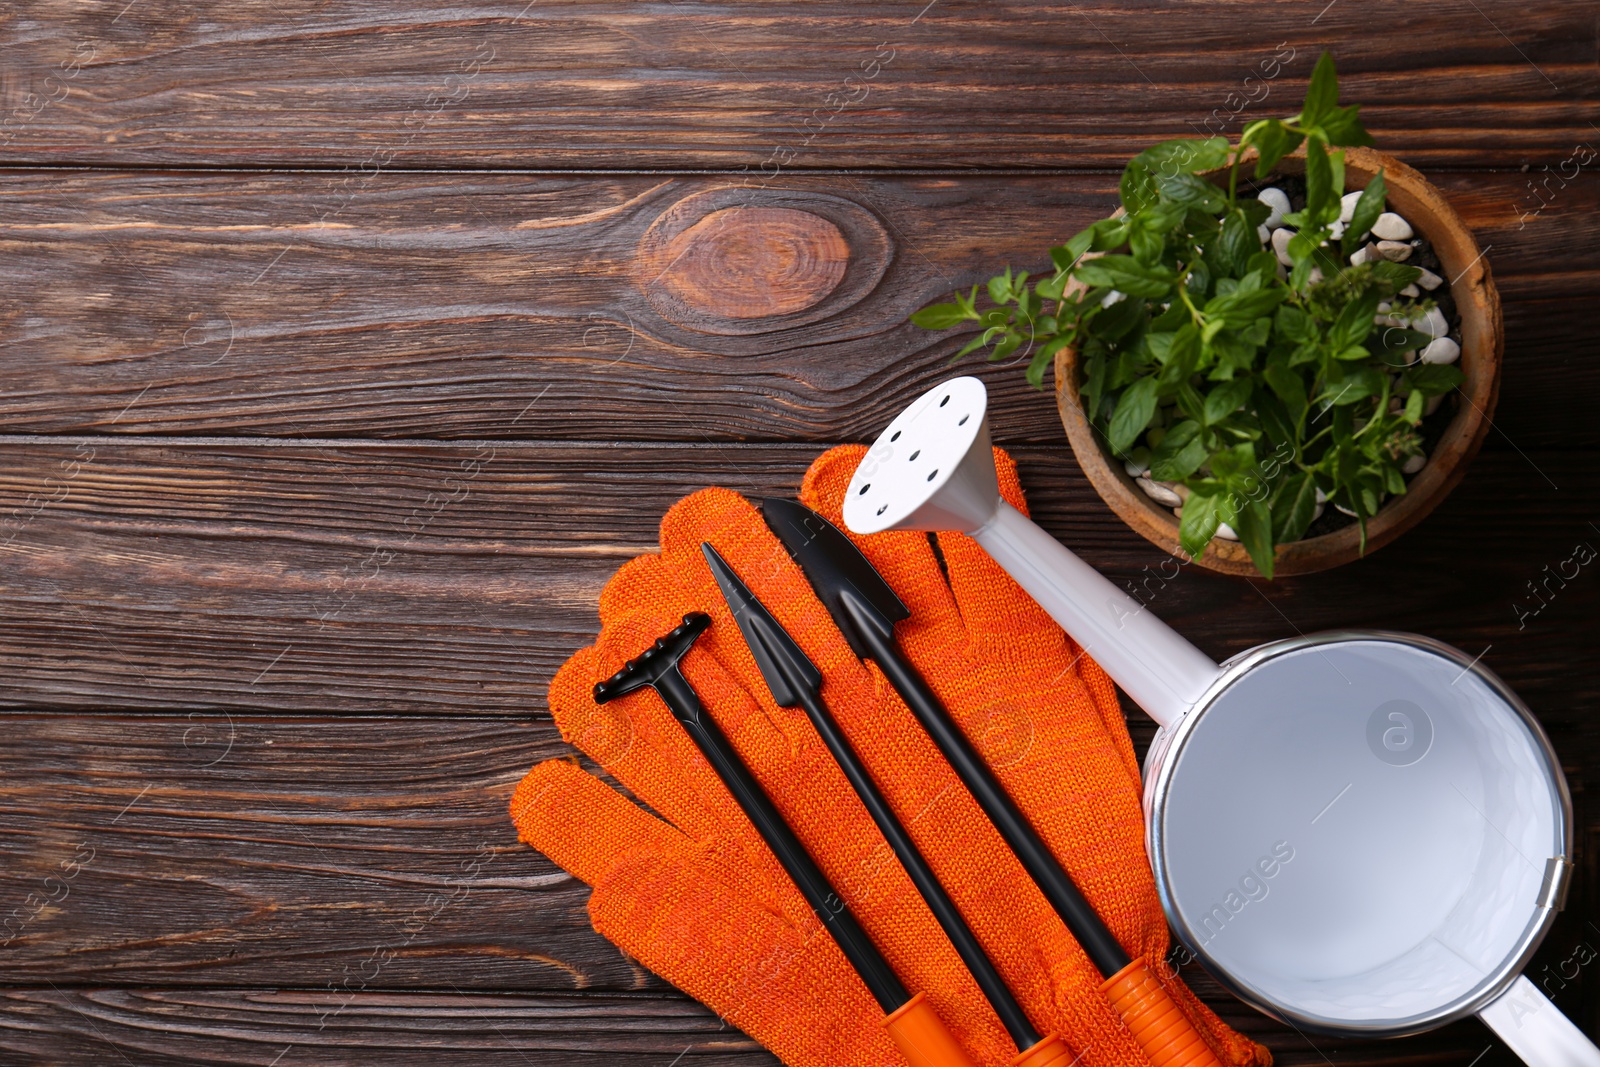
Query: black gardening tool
910	1020
866	609
795	682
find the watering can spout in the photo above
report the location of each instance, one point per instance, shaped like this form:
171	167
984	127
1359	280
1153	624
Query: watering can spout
933	469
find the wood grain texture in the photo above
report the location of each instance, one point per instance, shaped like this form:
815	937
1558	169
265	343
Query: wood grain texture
342	856
516	306
280	1028
189	1028
454	578
277	880
365	83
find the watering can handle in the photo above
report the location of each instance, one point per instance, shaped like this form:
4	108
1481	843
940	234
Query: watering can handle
1536	1030
1164	674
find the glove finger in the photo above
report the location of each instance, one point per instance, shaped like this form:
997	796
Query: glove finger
785	984
637	740
582	824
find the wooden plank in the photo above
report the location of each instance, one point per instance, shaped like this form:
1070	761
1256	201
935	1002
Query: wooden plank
365	83
454	578
336	855
339	861
234	1027
280	1028
516	306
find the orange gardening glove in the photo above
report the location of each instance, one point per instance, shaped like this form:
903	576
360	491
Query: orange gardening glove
696	896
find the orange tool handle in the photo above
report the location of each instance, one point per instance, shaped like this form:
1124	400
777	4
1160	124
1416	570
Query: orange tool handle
1157	1023
1051	1052
923	1037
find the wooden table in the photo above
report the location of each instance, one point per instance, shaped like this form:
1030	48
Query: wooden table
347	349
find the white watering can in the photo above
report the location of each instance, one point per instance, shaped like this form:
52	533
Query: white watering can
1360	832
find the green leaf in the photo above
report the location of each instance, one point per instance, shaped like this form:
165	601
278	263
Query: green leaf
940	316
1238	242
1138	187
1273	143
1344	127
1276	423
1368	208
1192	191
1000	288
1042	358
1414	405
1295	324
1354	322
1300	276
1234	465
1225	399
1242	307
1180	453
1392	340
1199	523
1434	379
1101	236
1394	276
1253	524
1147	244
1185	155
1182	355
1126	275
1322	94
1289	388
1134	408
970	347
1321	204
1294	505
1347	383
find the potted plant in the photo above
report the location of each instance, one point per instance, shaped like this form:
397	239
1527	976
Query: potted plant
1256	368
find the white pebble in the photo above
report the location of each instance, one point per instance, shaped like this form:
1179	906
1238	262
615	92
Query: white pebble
1315	515
1394	251
1361	255
1263	234
1412	291
1413	464
1433	323
1432	404
1315	276
1113	297
1429	280
1280	245
1336	231
1158	492
1225	532
1278	201
1322	498
1441	350
1391	227
1135	469
1347	205
1341	509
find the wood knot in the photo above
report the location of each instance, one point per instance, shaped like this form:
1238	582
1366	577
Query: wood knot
755	262
717	265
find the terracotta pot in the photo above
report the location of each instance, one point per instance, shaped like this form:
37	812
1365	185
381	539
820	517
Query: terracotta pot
1482	342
